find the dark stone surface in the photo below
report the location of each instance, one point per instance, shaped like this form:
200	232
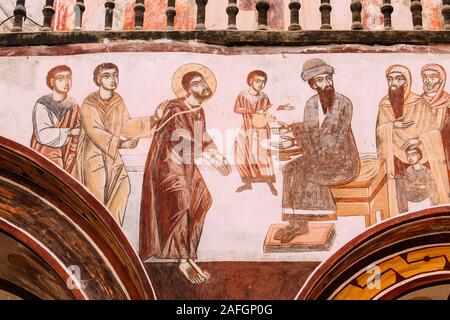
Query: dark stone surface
232	38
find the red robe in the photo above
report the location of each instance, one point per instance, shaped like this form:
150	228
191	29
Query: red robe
175	198
253	162
65	156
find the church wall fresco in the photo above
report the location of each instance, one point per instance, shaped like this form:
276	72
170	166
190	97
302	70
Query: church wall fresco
243	155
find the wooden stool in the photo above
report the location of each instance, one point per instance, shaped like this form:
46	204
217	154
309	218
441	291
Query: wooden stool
367	194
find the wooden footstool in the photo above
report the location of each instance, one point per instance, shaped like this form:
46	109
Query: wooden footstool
367	194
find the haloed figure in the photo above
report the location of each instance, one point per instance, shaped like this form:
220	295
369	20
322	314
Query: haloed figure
254	162
175	198
56	120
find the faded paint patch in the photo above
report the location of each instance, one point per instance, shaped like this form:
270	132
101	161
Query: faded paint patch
275	16
371	16
155	15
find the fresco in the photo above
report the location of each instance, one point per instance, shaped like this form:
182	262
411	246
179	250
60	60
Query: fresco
238	157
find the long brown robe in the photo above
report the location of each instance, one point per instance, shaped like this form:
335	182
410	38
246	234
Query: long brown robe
175	198
52	122
390	140
330	158
253	162
100	164
440	104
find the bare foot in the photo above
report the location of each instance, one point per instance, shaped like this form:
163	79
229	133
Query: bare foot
190	272
280	233
205	274
247	186
298	230
272	188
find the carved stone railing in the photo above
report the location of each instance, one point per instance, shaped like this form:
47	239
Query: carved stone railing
262	10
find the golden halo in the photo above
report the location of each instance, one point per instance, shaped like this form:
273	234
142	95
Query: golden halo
207	74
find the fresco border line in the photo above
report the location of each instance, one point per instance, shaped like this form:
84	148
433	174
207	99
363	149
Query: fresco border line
181	47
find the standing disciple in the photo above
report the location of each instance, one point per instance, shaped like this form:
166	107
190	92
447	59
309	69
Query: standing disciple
434	78
406	120
254	162
175	198
56	120
105	120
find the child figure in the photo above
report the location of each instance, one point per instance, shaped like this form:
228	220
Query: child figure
417	184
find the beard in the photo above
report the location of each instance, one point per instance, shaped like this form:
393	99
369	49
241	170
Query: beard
205	94
397	99
430	88
326	97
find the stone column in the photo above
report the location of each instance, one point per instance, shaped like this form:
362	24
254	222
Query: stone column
109	14
232	11
387	10
19	14
139	9
325	11
295	6
262	6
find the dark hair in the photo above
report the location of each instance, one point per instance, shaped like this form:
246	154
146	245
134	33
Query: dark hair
101	67
415	148
52	73
256	73
187	78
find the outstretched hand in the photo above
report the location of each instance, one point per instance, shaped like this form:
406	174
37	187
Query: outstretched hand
129	144
282	129
162	110
286	106
289	142
218	161
411	143
400	124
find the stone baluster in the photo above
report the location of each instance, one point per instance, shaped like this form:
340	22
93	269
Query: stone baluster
201	14
171	12
262	6
387	10
356	9
325	11
139	10
232	11
19	14
446	14
79	10
48	13
295	6
416	9
109	14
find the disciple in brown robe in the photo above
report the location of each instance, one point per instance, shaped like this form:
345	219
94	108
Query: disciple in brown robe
330	158
253	162
175	198
100	164
390	140
440	104
52	122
